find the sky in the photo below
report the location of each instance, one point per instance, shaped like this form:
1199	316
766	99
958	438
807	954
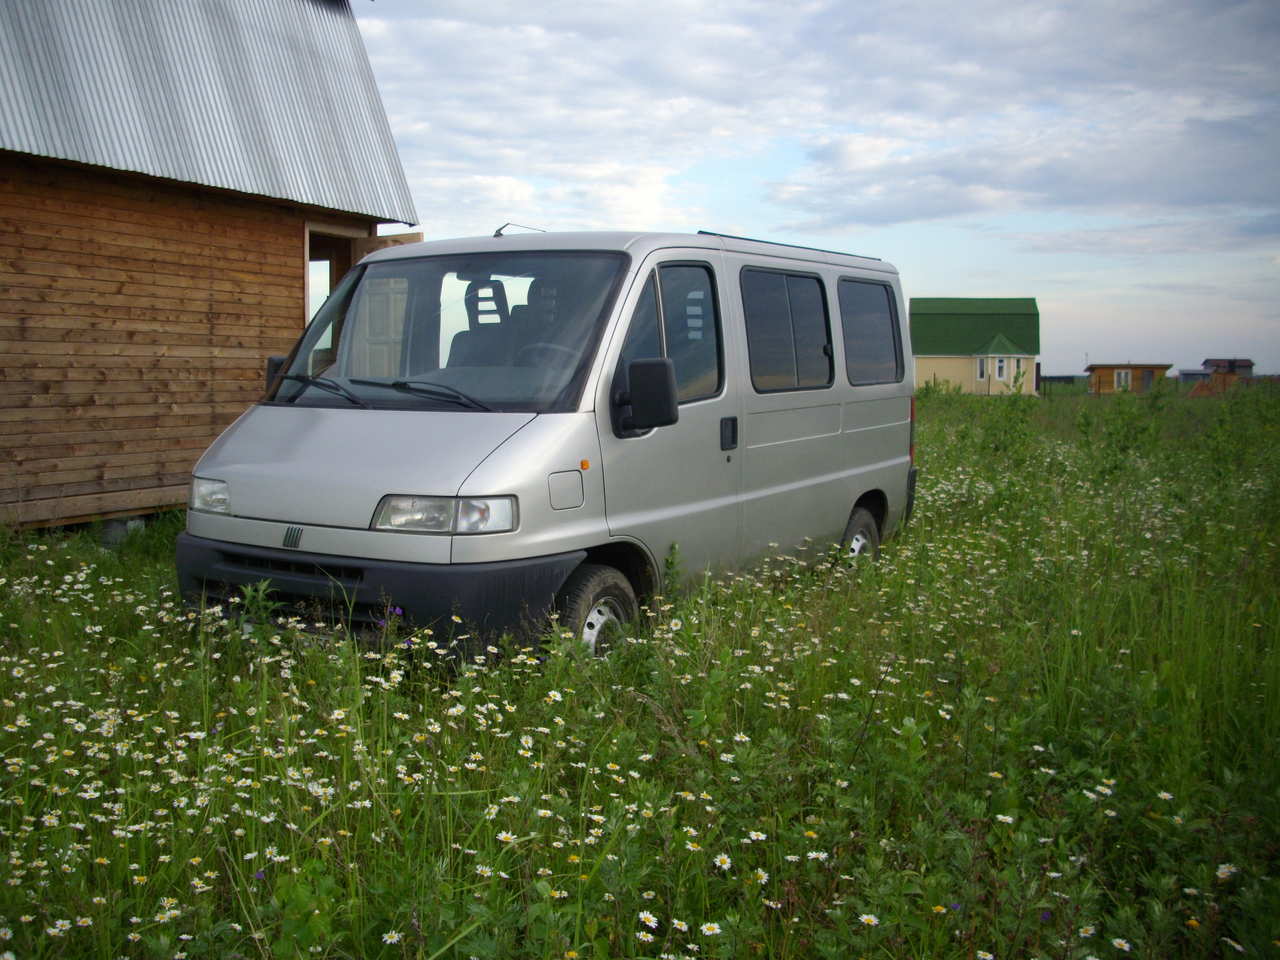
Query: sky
1118	160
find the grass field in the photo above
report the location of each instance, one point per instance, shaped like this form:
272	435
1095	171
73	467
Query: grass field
1044	725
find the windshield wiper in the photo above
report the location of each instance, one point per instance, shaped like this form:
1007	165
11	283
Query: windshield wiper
324	383
437	391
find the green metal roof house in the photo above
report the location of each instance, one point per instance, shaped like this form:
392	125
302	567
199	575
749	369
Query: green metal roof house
980	345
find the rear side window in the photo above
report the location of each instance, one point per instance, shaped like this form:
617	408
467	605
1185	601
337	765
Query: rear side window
788	333
872	344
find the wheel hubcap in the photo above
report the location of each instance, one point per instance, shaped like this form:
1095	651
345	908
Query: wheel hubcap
602	620
859	545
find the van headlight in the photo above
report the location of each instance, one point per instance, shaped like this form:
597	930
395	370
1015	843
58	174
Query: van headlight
461	515
211	496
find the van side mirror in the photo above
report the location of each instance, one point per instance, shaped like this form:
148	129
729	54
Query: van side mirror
651	394
274	366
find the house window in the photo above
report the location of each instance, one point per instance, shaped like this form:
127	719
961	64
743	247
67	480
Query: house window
1001	370
982	368
1124	379
788	336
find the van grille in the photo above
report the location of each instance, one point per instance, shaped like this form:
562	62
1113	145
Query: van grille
330	574
302	588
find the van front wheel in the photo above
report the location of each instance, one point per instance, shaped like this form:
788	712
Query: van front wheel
862	535
595	604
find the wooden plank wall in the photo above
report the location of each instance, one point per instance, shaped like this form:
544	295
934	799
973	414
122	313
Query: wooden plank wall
135	319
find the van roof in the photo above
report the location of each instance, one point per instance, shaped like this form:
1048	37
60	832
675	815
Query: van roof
635	243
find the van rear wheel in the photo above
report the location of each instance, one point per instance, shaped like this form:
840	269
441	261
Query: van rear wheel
595	605
861	536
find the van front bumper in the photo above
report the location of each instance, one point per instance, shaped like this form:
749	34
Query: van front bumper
488	597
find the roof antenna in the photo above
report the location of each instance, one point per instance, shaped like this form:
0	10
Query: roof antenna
498	232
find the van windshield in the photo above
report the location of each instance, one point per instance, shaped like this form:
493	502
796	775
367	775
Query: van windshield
495	331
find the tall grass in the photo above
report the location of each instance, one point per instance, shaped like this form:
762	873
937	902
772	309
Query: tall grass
1044	725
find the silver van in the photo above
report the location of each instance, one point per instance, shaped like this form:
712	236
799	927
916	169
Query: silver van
500	427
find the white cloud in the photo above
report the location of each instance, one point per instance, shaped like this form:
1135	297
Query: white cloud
1149	127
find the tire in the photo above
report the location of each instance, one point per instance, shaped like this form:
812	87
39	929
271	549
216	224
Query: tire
861	536
595	604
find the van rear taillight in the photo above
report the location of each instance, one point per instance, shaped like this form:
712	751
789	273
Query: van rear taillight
913	431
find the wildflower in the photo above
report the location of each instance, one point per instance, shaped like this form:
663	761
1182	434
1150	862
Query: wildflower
722	861
506	836
1165	795
984	955
644	936
648	919
484	871
1227	870
391	936
869	919
1088	930
680	925
710	929
761	876
1004	818
939	908
1120	944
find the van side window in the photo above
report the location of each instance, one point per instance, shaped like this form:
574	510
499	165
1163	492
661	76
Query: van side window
788	334
643	339
872	344
690	329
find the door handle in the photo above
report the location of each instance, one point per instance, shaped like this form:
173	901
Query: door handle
728	433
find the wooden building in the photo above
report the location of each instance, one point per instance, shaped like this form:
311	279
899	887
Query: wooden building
981	345
1216	376
1107	378
167	173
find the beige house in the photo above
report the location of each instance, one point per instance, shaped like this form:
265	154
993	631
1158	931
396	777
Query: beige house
983	346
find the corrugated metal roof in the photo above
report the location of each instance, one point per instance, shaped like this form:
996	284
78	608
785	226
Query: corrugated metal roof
950	327
267	97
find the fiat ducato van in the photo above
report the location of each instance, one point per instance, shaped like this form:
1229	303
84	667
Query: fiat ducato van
496	429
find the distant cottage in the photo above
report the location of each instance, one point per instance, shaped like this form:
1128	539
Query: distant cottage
167	172
1218	375
1107	378
979	345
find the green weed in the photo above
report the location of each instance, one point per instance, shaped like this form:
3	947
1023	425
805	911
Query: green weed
1044	725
